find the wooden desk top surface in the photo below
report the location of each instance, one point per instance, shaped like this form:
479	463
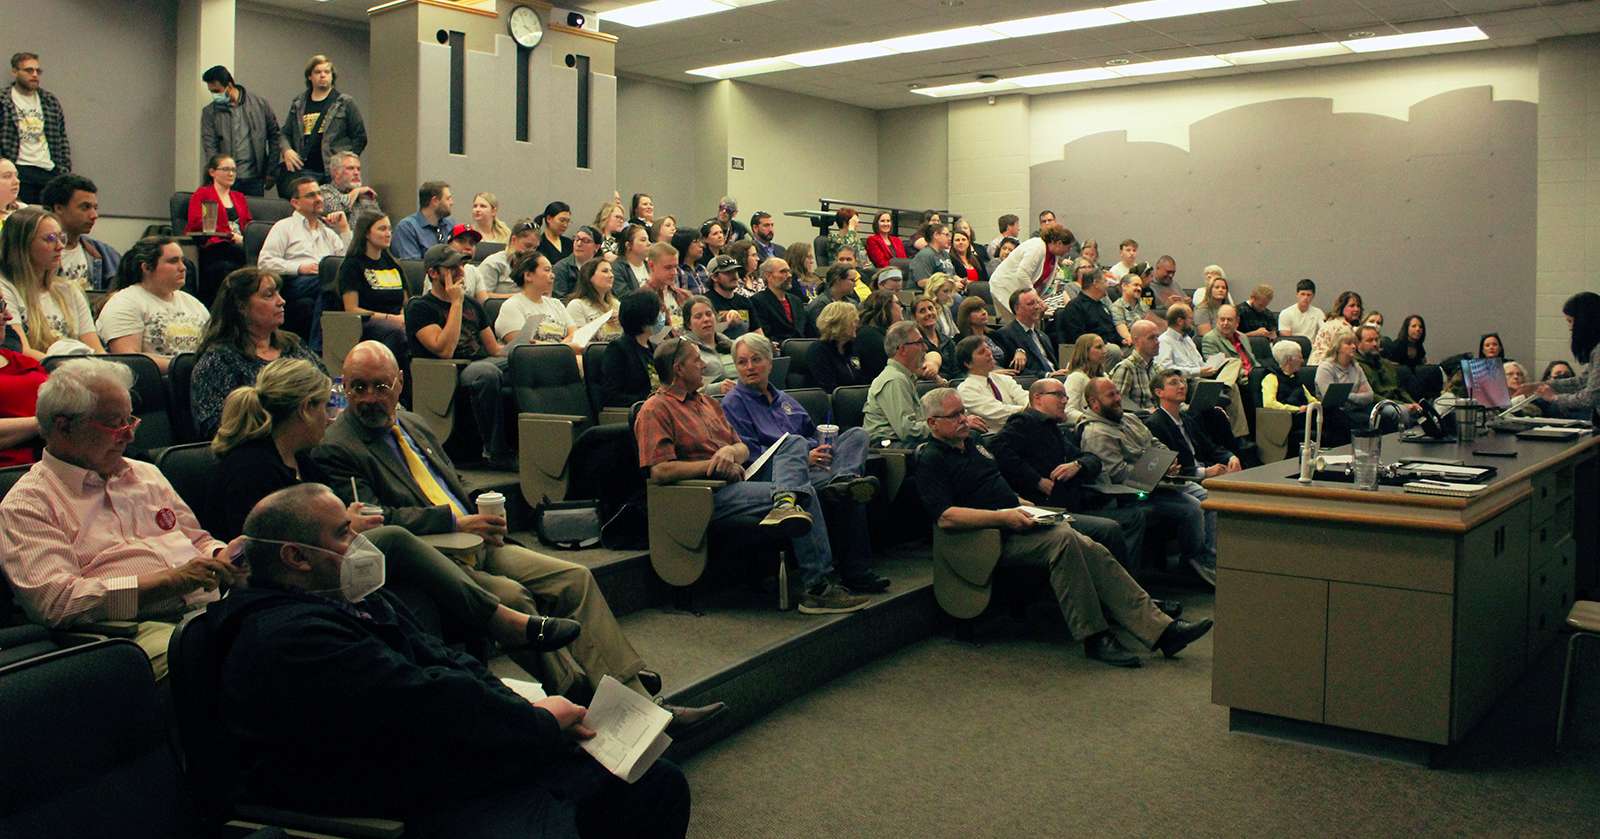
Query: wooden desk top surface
1273	489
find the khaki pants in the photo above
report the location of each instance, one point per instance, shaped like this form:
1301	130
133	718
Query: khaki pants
153	636
536	584
1088	582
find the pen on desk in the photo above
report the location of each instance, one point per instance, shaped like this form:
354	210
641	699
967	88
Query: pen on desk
1430	482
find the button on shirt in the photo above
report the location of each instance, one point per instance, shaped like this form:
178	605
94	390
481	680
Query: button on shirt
74	544
761	418
292	242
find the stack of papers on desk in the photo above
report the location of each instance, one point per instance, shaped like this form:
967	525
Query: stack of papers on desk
1427	487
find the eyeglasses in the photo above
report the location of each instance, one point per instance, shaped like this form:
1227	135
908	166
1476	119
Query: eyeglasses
1060	394
226	169
53	239
363	388
126	425
957	415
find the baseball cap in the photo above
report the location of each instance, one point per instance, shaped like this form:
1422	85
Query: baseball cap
442	256
465	230
722	263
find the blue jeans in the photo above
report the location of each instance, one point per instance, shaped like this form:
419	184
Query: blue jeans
785	471
1196	527
302	307
849	457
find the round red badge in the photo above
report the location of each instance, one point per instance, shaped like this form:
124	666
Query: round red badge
166	519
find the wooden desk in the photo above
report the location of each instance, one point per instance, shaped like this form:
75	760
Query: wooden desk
1387	612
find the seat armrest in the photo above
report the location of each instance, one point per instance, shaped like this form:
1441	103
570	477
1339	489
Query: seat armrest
354	827
963	569
110	629
614	415
544	448
679	518
896	464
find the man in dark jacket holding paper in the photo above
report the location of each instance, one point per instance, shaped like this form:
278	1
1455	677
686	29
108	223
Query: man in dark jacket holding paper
1043	465
342	704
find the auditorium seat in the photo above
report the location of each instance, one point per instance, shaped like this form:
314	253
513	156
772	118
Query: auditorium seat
815	401
413	275
796	349
180	377
341	331
212	758
149	398
1261	346
255	235
88	750
192	470
552	413
980	290
819	250
433	392
491	311
593	381
484	250
850	405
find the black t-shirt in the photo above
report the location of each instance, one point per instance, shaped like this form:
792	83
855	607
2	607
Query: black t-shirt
1250	320
427	310
311	131
736	303
379	284
950	477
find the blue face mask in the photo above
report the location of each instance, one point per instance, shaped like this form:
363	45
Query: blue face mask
220	98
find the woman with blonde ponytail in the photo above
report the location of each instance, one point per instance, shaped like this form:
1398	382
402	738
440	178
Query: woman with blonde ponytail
264	444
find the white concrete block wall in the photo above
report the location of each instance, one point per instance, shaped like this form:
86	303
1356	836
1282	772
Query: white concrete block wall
988	150
1569	186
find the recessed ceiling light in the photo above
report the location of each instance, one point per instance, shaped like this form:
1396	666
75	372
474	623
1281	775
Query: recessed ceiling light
1362	34
1116	62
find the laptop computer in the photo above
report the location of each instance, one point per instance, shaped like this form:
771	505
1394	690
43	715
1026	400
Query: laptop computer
1485	381
1205	396
1144	475
1336	395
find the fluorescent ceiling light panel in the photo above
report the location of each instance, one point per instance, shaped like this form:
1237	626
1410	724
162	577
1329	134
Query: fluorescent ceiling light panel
1064	22
1175	65
1088	74
666	11
837	55
965	88
1417	39
1157	9
1271	54
941	39
739	69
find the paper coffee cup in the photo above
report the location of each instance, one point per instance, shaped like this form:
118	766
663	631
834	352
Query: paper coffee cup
492	504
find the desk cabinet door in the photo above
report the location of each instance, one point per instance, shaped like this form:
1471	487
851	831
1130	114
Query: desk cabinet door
1269	643
1388	661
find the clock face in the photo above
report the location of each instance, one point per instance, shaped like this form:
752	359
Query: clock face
525	27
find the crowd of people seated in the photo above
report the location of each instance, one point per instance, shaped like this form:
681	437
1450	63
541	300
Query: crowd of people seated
1018	370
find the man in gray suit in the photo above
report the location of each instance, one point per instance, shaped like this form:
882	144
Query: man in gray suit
397	462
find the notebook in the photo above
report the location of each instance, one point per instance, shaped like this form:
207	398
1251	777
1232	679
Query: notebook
1454	490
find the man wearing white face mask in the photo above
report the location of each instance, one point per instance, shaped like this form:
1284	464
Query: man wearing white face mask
347	705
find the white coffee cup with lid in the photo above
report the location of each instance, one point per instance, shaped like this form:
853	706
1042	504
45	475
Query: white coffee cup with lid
492	504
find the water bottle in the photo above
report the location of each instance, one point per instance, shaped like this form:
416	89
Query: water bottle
336	399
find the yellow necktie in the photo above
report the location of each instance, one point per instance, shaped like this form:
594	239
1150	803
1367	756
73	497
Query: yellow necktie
423	475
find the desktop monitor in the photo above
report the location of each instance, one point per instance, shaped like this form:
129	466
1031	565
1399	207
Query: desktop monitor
1485	380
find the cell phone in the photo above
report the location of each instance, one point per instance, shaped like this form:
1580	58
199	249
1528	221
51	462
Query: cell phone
1493	453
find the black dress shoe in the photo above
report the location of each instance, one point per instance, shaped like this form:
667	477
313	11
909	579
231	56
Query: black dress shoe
1171	608
687	720
1105	647
867	583
1180	634
548	634
651	681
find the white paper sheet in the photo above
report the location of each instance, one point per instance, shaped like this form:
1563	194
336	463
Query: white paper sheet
629	730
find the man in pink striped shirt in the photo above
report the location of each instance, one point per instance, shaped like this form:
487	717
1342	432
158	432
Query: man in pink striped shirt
87	535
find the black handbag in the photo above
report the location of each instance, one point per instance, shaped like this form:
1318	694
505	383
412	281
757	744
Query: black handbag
568	525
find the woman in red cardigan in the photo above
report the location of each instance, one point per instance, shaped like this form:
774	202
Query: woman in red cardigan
883	245
217	208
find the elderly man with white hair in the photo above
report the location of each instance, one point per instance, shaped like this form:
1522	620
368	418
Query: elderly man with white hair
87	535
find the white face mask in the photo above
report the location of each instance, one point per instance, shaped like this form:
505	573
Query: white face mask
361	567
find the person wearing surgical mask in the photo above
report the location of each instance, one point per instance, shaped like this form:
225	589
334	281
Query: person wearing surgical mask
241	125
346	703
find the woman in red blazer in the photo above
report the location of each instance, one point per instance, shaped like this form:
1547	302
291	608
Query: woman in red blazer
883	245
228	214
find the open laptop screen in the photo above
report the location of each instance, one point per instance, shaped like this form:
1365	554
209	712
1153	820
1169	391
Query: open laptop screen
1485	380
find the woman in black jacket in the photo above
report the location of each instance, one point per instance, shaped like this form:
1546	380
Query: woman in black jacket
831	361
627	369
880	311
